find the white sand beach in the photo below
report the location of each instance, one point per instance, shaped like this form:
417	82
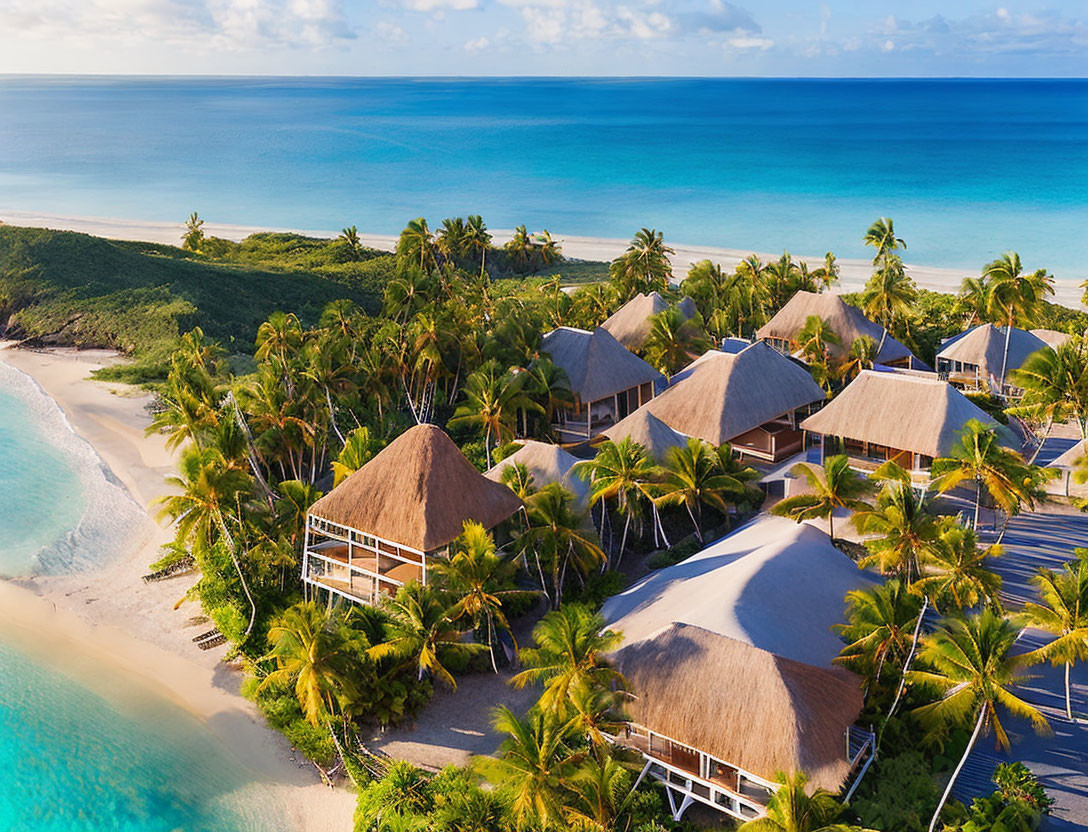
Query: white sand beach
853	273
110	617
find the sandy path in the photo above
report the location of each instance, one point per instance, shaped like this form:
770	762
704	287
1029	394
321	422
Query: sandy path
110	617
854	273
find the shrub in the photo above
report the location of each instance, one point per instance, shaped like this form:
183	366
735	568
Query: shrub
899	793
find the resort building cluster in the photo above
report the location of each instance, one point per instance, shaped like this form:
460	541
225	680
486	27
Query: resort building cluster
731	650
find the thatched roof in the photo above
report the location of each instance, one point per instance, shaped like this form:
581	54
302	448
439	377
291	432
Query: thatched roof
845	320
984	347
418	491
907	412
742	705
547	463
720	395
630	324
648	431
774	584
1052	337
597	364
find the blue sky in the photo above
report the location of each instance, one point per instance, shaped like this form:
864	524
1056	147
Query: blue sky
547	37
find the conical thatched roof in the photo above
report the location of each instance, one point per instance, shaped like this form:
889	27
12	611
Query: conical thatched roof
907	412
547	463
648	431
418	491
845	320
984	346
774	584
596	363
719	396
742	705
630	324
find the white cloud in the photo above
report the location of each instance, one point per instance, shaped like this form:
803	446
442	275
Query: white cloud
750	42
439	5
477	45
391	32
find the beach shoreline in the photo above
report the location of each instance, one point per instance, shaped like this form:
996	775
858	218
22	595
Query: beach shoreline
108	616
853	273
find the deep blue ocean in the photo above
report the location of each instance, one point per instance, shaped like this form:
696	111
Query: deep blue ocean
967	168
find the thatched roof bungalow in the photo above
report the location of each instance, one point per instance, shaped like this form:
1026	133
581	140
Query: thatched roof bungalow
752	398
1052	337
546	463
911	419
1065	483
973	359
608	381
630	324
377	530
648	431
743	629
846	321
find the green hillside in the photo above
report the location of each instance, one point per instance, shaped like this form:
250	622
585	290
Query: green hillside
74	289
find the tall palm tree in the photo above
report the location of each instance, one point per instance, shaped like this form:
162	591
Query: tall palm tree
480	580
547	250
692	477
520	247
833	485
956	570
422	632
861	356
478	239
352	244
815	338
977	456
1062	612
674	340
970	666
492	402
827	275
974	300
1014	296
880	620
622	472
644	266
416	246
889	296
451	240
549	386
193	238
599	792
531	767
792	808
571	644
881	236
556	537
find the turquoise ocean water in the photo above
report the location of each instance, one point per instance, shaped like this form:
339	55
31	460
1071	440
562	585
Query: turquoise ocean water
71	760
967	168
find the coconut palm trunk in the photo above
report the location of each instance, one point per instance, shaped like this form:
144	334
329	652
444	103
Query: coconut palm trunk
952	780
1068	697
1005	356
1042	440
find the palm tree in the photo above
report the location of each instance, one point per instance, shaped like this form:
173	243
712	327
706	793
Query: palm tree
517	478
571	643
978	456
478	239
492	402
599	792
422	632
557	538
905	531
547	249
815	337
1062	612
956	571
314	654
531	767
692	476
880	621
827	275
520	247
1014	295
644	266
674	340
889	296
881	236
1055	385
352	244
622	472
416	246
833	485
550	388
480	580
974	300
359	449
193	238
451	240
793	809
971	667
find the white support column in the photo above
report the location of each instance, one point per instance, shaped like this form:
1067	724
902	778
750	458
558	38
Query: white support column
642	774
687	801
